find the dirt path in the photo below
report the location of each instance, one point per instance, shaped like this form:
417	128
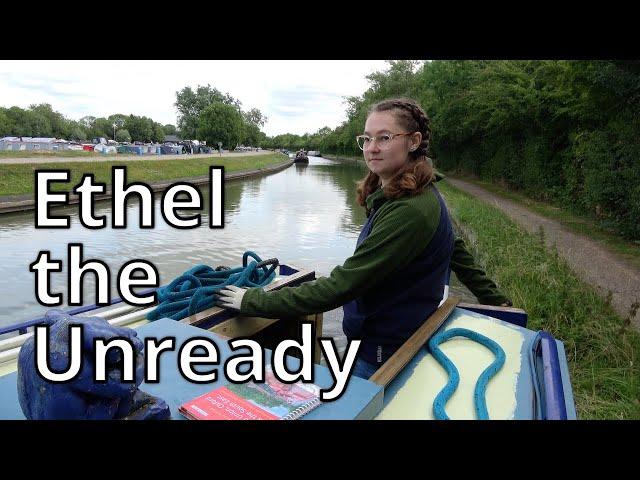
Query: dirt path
133	158
588	259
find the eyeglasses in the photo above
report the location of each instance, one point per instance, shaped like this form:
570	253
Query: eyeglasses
384	141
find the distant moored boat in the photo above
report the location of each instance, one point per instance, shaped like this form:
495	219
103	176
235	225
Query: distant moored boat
301	157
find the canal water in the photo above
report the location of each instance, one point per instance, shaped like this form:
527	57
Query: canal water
305	215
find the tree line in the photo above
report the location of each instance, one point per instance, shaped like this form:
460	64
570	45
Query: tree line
204	114
565	132
42	121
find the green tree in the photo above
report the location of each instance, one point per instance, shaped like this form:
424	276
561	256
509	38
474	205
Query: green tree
191	104
101	128
158	133
118	118
75	131
255	117
123	135
6	126
220	122
140	128
48	123
88	121
250	134
253	120
21	121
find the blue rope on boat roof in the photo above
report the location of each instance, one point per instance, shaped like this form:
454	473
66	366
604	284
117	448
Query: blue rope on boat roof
196	289
479	395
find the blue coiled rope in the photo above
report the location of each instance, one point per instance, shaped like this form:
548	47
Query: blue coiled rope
196	289
445	394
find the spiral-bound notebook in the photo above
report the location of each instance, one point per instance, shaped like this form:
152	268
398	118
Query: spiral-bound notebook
271	400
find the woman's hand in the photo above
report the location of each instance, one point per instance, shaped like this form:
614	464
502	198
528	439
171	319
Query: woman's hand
231	297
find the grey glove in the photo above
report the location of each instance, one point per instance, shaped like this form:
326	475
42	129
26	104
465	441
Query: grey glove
231	297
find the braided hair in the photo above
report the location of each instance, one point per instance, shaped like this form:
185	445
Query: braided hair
418	173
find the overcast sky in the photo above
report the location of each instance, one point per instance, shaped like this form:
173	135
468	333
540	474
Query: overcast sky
296	96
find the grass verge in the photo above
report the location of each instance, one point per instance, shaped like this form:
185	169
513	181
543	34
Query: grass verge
16	179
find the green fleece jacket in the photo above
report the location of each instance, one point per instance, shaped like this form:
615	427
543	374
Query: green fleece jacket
402	229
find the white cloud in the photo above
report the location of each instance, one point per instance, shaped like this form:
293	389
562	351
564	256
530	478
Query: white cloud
296	96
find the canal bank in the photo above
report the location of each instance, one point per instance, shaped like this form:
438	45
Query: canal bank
18	203
343	158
